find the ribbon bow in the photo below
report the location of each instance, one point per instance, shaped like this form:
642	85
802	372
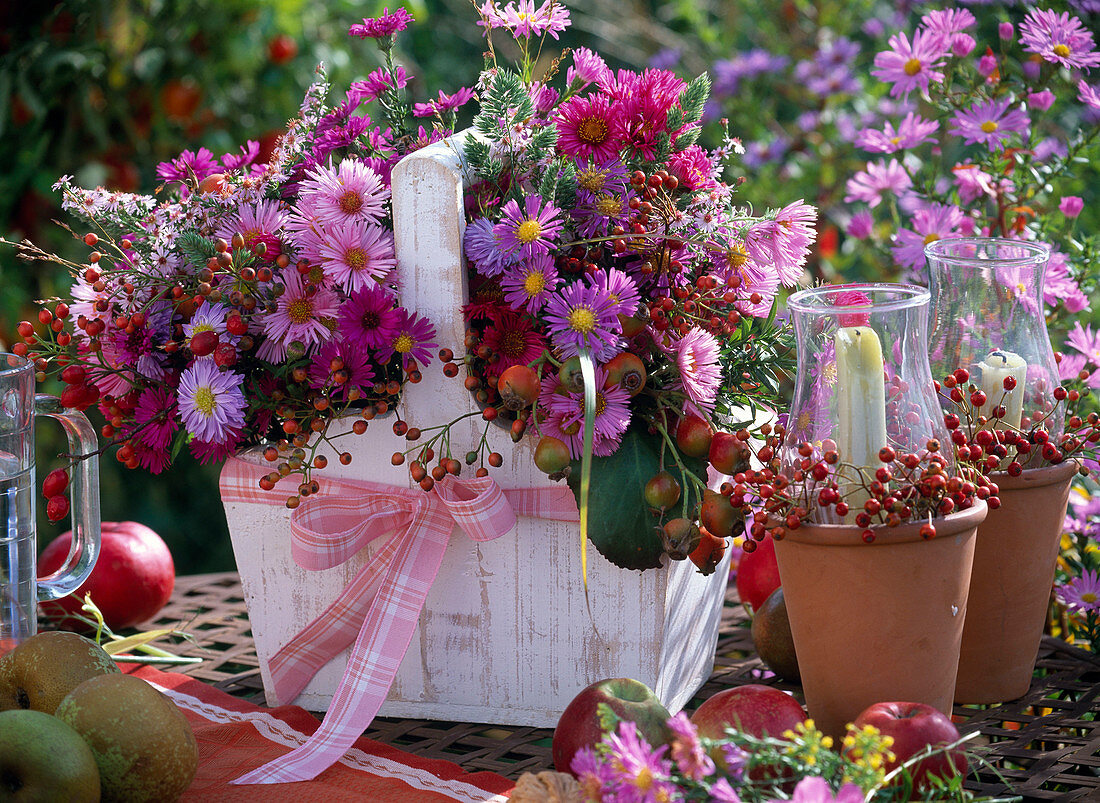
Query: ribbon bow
379	608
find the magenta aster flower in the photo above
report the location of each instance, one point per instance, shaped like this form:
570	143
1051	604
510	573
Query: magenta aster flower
376	84
817	790
533	230
154	427
580	316
369	319
878	179
211	403
910	66
257	223
861	225
386	25
529	283
445	103
949	25
414	339
694	168
989	122
912	131
591	773
642	103
588	68
351	192
1058	38
639	771
358	254
189	166
304	313
345	361
697	357
687	750
481	245
620	289
1082	593
250	151
1088	94
513	338
524	20
972	182
612	410
588	126
930	223
207	452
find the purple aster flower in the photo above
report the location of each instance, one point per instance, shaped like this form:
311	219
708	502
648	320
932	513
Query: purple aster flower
639	772
697	356
210	317
912	131
304	313
1088	94
369	319
357	254
722	792
529	283
619	288
594	177
735	758
530	231
211	403
257	223
386	25
338	367
688	753
931	222
580	316
588	67
445	103
1082	593
351	192
596	215
414	339
1085	341
249	153
910	66
481	245
1060	288
1041	100
728	73
612	410
972	182
591	773
816	790
189	166
861	225
1058	38
1071	205
524	21
377	83
989	122
878	179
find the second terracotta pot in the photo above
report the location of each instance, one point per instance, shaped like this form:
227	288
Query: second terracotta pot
877	622
1014	561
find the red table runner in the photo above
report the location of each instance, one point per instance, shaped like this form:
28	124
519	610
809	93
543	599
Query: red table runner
235	736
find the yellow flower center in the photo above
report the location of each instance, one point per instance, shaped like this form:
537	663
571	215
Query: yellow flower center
737	256
803	421
350	202
608	205
593	130
582	320
356	258
1089	597
931	237
1061	50
403	344
601	405
534	284
912	67
300	310
591	179
828	374
203	327
528	231
895	140
205	401
989	126
644	779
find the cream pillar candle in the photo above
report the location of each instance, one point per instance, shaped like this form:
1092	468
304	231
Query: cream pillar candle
861	396
998	365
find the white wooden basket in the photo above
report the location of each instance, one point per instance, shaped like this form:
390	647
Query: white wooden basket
505	635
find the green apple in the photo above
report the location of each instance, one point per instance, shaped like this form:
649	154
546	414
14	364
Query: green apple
43	759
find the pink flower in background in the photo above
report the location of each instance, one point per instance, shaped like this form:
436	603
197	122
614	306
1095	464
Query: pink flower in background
1085	341
989	123
1071	205
377	83
929	223
687	751
1088	94
878	179
972	182
1082	593
189	166
910	66
1041	100
524	20
912	131
588	67
816	790
444	103
1059	39
861	225
386	25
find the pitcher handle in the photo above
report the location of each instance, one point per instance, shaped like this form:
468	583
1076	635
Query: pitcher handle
85	500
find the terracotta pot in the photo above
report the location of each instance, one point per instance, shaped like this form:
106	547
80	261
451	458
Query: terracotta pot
1014	560
877	622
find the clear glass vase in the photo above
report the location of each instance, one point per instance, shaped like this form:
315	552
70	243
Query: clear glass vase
987	308
863	379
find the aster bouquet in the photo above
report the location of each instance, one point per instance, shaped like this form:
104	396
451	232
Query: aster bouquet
621	301
247	300
993	138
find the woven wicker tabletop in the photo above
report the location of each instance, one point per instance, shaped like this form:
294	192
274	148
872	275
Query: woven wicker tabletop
1046	746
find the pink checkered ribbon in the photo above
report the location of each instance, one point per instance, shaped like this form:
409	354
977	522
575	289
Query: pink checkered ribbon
379	608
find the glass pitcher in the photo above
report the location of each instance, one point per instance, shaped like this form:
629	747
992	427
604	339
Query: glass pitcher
20	591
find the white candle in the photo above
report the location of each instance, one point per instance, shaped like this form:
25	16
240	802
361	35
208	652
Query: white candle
997	365
861	397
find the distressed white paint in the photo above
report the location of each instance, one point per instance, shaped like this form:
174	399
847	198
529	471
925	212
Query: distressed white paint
505	635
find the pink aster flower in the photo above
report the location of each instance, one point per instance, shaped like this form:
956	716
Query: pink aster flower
816	790
513	338
211	403
642	103
1082	593
530	231
351	192
588	126
697	359
529	283
369	319
1071	205
1059	39
257	223
930	223
687	751
376	84
588	67
784	241
1085	341
154	427
1088	94
445	103
694	168
914	130
189	166
638	767
1041	100
1060	288
580	316
358	254
413	339
861	225
386	25
910	66
304	313
339	367
524	20
989	123
621	290
612	410
878	179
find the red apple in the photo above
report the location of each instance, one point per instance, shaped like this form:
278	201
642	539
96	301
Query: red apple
753	708
758	574
913	727
132	579
579	724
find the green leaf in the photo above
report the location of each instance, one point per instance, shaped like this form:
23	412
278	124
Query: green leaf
196	248
620	524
